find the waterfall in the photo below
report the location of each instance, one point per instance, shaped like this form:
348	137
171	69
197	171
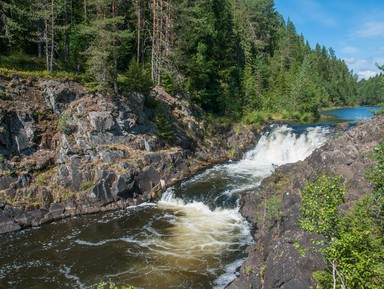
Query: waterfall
210	222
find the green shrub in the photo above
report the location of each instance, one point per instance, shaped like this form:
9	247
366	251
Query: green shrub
137	78
163	124
319	210
255	117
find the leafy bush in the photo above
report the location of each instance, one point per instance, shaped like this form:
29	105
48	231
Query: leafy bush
354	247
319	211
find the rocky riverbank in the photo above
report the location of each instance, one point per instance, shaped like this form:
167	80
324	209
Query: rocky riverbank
66	151
274	261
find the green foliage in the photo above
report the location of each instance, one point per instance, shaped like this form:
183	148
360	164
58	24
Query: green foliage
21	62
319	211
138	78
371	91
233	57
273	209
354	250
256	117
376	175
358	248
86	185
163	124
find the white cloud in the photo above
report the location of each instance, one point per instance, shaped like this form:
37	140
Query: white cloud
366	74
370	29
363	67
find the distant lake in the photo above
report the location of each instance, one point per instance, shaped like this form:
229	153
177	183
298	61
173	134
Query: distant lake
351	115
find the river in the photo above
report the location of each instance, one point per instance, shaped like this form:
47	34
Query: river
194	237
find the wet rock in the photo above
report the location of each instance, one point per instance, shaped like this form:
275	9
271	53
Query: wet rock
6	224
36	217
19	216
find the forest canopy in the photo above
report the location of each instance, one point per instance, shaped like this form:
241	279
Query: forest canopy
235	58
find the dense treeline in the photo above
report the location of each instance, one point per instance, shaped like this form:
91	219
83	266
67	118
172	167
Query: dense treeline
234	57
371	91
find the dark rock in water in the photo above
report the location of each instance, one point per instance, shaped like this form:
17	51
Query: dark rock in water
37	216
6	224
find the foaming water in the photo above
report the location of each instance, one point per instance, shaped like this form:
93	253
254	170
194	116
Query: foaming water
194	237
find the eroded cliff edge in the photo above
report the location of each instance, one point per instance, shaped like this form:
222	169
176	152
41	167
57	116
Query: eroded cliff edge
273	209
66	151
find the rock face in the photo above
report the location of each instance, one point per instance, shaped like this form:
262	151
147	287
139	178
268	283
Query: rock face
274	261
64	151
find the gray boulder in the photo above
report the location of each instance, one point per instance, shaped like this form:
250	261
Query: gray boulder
6	224
59	94
102	190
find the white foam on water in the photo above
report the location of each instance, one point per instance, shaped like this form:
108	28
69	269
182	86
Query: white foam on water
198	230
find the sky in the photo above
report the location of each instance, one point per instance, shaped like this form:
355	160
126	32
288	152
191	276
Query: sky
353	28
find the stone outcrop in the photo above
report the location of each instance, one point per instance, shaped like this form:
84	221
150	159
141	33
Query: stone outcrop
274	261
65	151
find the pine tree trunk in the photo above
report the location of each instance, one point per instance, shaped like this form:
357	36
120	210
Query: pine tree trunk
52	35
46	38
154	39
138	13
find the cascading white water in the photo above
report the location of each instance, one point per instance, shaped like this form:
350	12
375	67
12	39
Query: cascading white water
206	227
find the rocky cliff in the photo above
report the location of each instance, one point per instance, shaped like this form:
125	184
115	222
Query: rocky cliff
273	210
66	151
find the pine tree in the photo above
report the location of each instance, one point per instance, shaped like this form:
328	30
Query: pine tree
106	32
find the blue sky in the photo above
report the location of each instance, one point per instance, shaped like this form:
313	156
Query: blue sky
353	28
